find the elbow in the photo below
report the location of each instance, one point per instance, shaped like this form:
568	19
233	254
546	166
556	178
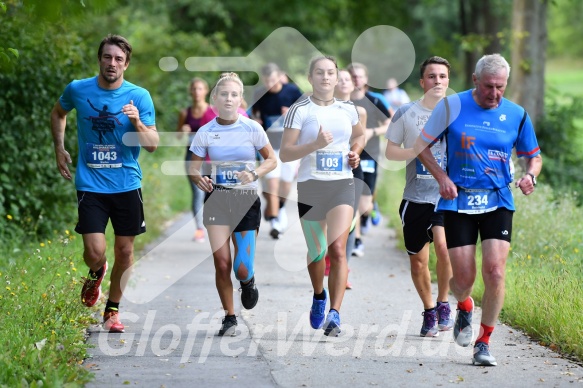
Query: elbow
151	148
272	164
283	156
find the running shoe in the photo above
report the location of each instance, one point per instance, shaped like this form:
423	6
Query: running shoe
375	215
111	321
282	220
229	326
358	249
332	324
348	285
444	321
364	228
249	294
482	356
462	329
318	312
429	329
199	235
275	229
91	291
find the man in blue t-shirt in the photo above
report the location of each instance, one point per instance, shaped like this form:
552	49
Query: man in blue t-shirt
479	129
115	118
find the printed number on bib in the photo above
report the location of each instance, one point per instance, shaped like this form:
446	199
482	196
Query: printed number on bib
103	155
226	173
368	166
476	201
422	172
329	162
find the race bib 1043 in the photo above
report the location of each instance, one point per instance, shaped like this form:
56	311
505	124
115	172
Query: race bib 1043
103	155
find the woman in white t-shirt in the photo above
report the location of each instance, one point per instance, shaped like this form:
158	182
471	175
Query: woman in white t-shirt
232	209
327	137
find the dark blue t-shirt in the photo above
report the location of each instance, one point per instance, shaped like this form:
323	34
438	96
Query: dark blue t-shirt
269	105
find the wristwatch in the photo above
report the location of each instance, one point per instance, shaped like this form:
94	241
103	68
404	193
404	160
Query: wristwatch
255	175
533	178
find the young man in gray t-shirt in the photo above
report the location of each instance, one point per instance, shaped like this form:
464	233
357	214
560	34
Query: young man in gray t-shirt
421	224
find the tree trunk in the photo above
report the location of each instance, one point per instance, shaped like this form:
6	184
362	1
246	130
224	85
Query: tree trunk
529	44
491	27
469	26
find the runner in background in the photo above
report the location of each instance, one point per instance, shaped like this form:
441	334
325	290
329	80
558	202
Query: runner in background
272	102
421	224
342	92
377	122
189	121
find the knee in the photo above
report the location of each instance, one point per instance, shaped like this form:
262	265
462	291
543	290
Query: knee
337	252
418	264
124	252
463	281
242	273
494	275
223	267
94	253
441	251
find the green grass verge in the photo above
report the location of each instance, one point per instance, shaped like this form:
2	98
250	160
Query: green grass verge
565	76
544	292
43	322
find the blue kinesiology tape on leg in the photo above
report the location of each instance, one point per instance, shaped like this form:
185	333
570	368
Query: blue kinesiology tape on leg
245	253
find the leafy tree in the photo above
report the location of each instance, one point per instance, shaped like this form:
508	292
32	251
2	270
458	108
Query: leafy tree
33	197
565	28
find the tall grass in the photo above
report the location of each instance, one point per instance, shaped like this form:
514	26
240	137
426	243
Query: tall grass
43	321
544	292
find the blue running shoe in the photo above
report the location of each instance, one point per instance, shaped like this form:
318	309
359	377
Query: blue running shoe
444	321
375	215
482	356
429	319
317	312
332	325
462	329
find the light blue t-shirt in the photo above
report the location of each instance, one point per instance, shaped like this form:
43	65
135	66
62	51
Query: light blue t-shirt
105	164
478	144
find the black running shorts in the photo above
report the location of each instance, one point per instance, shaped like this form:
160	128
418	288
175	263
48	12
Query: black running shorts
417	220
462	229
125	210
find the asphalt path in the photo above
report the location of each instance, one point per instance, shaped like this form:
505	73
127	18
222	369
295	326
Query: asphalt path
172	314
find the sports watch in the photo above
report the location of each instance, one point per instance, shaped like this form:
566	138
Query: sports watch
256	176
533	178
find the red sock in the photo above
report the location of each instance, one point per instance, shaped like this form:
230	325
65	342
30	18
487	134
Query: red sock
485	333
466	305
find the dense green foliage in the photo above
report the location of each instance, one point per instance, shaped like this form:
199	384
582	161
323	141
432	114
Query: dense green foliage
565	28
33	198
557	132
47	43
